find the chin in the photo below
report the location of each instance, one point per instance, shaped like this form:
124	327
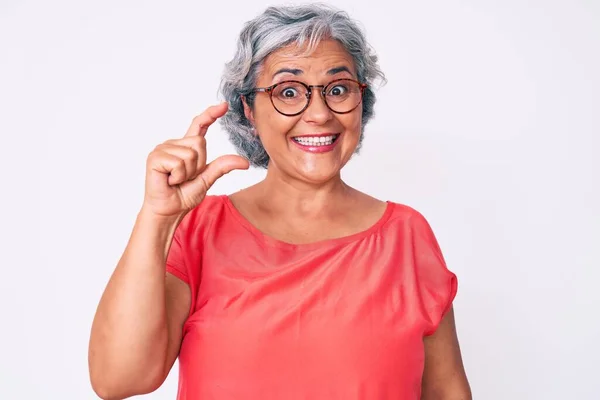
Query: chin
315	171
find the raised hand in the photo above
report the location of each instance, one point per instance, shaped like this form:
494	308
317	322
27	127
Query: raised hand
177	175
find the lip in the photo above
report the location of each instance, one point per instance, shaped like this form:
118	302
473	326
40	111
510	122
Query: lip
317	149
317	134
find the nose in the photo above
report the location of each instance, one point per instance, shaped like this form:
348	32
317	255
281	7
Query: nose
317	111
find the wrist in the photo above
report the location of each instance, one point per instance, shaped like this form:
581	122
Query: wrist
150	217
158	229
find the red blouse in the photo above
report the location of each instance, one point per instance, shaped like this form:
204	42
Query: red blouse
337	319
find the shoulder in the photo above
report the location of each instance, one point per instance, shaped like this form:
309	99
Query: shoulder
203	215
405	213
412	223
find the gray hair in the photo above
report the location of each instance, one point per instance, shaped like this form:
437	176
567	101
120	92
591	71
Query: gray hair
275	28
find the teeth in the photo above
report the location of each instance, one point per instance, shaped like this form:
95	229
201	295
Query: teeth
316	141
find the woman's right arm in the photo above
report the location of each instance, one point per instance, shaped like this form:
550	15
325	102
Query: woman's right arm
137	329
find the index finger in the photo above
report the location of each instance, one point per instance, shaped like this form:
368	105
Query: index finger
201	122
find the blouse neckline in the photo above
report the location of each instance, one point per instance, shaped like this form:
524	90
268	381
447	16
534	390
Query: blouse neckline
305	246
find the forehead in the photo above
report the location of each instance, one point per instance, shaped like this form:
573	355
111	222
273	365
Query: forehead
326	55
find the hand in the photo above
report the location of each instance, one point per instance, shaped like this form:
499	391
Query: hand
177	176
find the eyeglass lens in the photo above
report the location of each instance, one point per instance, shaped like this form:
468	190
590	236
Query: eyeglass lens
292	97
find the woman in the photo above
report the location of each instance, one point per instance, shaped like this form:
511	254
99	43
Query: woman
299	287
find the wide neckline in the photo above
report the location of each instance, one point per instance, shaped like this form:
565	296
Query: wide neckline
305	246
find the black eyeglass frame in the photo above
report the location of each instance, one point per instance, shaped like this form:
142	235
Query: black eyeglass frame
269	90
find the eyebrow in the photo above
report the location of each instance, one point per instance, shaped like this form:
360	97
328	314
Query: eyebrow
296	71
337	70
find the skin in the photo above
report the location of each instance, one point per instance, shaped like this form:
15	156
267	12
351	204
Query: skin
303	192
137	330
444	375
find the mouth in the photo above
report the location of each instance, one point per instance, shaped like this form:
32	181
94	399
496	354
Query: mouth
322	140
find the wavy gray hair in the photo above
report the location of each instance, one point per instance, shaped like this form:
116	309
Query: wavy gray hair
278	27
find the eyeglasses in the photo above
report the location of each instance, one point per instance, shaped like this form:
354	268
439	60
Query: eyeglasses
291	98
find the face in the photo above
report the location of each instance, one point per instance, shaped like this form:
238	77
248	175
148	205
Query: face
314	145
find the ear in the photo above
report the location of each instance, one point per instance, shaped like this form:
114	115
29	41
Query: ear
248	111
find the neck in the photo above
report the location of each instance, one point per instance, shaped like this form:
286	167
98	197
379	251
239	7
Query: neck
283	194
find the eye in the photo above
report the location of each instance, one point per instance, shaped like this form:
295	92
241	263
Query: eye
338	90
289	92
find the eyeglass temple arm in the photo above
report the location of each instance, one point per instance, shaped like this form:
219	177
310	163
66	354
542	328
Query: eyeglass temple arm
264	90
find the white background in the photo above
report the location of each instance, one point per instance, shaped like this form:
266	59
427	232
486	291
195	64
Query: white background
488	125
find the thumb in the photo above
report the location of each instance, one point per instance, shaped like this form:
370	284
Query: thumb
221	166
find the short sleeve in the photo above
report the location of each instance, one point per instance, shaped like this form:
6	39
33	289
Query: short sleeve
436	284
184	259
175	258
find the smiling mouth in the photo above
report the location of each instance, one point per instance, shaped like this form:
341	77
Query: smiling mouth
316	141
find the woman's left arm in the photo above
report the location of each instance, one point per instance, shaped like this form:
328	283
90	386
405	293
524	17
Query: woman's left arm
444	376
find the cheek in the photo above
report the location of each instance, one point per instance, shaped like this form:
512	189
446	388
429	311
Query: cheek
275	125
271	125
273	129
352	123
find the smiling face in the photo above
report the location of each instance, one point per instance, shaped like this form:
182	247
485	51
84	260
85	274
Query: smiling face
314	145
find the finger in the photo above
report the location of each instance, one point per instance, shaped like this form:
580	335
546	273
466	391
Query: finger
197	143
170	165
201	122
189	156
221	166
